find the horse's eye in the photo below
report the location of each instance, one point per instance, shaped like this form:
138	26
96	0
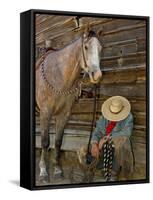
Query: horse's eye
86	47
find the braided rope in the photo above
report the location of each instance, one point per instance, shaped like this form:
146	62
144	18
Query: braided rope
108	154
76	89
60	92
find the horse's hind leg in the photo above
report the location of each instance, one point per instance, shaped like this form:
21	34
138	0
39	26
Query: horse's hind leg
61	121
44	125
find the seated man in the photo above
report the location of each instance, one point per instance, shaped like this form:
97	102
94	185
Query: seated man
116	123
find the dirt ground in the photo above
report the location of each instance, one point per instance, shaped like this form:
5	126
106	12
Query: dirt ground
73	173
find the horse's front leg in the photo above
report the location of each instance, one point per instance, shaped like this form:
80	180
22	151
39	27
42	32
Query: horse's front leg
61	121
44	125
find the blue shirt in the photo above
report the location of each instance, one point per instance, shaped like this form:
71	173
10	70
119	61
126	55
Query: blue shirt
122	128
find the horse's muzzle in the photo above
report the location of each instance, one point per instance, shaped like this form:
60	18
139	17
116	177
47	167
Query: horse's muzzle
97	76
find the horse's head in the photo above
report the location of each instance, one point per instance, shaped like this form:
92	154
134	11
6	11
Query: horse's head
91	49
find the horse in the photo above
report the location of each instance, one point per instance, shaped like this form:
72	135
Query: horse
58	85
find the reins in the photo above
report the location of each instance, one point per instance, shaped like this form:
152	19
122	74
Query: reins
91	162
94	116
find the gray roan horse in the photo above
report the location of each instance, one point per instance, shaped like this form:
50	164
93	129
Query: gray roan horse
57	86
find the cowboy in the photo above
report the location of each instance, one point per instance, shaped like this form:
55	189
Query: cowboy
116	122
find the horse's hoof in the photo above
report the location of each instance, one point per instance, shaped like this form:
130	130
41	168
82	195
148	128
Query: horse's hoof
43	179
58	172
43	173
43	176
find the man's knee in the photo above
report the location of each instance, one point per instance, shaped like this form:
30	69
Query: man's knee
121	141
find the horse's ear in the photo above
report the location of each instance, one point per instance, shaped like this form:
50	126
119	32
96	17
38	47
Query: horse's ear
99	33
85	34
86	31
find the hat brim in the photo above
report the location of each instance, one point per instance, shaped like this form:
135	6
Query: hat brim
118	116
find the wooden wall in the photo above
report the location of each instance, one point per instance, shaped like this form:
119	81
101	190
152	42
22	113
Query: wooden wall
123	62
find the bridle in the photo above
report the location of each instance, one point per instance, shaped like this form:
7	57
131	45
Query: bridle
84	41
83	53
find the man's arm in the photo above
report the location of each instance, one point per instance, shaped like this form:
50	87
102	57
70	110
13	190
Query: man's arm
96	136
127	129
98	133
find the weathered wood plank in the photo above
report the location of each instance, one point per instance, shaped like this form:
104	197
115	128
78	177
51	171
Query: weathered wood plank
125	28
124	76
51	23
124	60
40	19
127	90
139	118
53	33
140	66
86	105
139	130
63	34
50	33
69	143
117	24
116	50
124	33
125	46
74	139
92	21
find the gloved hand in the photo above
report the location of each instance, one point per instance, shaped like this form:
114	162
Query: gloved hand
95	150
102	141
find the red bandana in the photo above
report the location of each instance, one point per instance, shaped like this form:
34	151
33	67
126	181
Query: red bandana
110	127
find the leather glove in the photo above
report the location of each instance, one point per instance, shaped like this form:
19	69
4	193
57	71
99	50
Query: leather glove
95	150
102	141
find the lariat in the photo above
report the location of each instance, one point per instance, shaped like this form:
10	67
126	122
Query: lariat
108	151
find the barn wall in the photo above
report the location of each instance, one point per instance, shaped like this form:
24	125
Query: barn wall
123	63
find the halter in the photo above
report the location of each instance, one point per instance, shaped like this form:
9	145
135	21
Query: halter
83	43
84	59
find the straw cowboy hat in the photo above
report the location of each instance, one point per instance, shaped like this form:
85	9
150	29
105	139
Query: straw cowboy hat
116	108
